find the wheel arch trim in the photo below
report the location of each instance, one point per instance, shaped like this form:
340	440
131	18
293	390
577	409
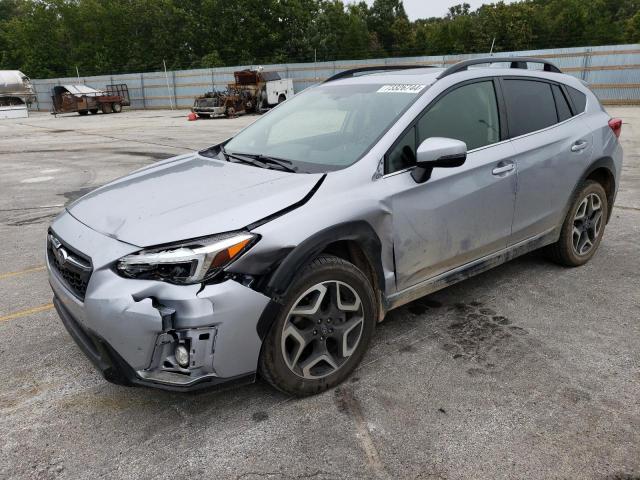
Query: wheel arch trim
605	163
279	281
358	231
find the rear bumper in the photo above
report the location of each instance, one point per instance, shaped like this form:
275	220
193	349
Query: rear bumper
130	329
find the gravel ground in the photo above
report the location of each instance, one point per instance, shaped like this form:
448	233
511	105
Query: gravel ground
527	371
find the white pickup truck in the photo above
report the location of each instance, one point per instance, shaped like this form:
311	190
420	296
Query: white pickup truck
275	90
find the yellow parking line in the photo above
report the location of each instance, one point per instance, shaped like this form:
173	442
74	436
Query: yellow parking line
21	272
28	311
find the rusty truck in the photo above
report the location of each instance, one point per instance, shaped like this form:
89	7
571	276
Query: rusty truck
251	91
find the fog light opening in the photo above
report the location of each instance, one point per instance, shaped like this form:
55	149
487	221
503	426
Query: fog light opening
182	356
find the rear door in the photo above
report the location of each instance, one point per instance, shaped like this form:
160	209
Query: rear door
553	146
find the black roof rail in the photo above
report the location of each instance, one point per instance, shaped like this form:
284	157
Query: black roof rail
516	62
374	68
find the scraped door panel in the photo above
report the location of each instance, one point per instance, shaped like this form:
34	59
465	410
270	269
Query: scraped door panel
462	213
459	215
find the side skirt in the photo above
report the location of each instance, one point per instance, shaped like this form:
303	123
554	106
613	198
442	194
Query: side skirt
469	269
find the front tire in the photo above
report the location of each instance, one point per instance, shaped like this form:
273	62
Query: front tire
323	329
583	226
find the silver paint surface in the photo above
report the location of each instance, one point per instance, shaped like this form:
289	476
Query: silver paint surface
459	216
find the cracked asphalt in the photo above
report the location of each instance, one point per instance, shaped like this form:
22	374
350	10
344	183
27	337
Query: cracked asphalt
527	371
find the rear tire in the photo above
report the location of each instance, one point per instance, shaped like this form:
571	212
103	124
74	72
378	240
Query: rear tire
583	226
106	108
94	111
83	112
322	330
116	107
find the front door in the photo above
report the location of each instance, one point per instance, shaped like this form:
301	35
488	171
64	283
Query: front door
461	213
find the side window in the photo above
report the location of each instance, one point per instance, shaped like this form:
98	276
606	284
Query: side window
530	106
579	99
562	106
403	155
468	113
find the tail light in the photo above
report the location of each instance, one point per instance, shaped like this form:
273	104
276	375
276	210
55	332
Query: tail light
616	126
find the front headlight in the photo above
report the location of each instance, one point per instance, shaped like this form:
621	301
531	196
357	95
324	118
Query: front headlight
187	262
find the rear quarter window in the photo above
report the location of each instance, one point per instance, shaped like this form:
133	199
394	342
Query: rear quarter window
562	105
530	106
578	98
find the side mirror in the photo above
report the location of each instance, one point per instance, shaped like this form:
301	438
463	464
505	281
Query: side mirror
438	152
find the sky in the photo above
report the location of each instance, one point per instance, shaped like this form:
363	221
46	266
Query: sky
433	8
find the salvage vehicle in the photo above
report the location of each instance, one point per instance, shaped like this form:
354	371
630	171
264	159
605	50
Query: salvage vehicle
16	94
84	99
278	251
252	91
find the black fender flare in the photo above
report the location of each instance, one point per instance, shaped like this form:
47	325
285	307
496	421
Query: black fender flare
279	281
604	162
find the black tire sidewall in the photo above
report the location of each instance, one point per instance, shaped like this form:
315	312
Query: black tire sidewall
278	373
566	237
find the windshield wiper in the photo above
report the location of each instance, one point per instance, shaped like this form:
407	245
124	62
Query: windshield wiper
260	160
243	159
228	156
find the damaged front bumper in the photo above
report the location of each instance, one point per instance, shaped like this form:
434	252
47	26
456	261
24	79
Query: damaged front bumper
130	328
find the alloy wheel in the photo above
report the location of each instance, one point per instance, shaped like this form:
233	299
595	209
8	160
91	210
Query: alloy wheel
322	330
586	224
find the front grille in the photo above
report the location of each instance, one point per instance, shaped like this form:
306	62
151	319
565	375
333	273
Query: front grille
73	268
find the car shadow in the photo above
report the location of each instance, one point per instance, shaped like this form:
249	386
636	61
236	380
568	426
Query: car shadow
462	302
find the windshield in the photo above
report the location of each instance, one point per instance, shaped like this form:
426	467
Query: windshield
325	128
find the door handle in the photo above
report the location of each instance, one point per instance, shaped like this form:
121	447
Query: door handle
576	147
503	169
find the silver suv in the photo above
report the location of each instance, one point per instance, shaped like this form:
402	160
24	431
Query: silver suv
278	251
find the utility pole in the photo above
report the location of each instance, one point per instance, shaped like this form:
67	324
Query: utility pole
166	76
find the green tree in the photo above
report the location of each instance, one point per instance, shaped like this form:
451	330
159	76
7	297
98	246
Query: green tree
47	38
633	28
385	19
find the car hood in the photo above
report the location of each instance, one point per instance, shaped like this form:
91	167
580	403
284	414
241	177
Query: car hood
188	197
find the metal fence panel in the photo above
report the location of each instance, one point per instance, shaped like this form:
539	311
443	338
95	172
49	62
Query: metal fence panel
613	72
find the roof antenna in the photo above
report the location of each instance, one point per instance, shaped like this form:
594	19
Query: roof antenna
492	44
